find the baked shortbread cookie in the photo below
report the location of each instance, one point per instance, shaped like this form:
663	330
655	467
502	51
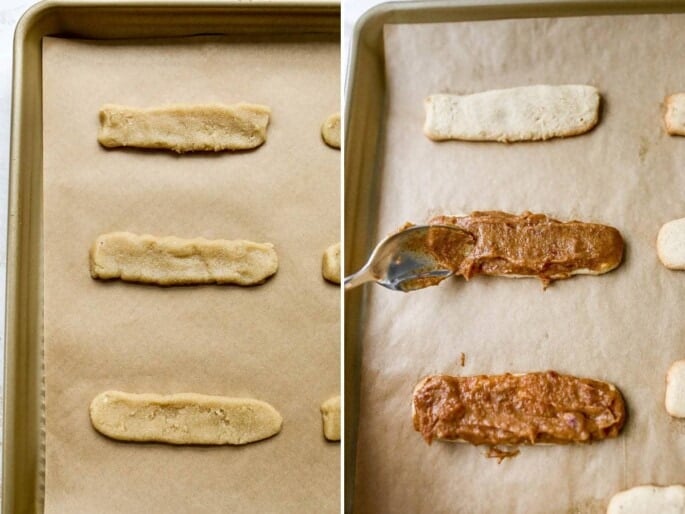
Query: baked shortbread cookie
649	499
169	261
675	389
529	113
185	418
670	244
185	128
674	115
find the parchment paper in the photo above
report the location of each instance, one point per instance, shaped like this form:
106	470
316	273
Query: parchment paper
625	327
278	342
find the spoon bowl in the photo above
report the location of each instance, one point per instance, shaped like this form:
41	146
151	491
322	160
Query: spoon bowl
414	258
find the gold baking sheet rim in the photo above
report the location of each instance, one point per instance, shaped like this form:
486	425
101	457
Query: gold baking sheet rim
365	114
23	440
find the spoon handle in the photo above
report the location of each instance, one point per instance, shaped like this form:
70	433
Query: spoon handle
356	279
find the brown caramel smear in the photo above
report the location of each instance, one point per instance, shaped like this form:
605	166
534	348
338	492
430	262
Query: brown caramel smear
500	453
532	245
531	408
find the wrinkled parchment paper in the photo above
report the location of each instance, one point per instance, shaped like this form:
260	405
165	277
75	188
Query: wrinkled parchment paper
278	342
625	327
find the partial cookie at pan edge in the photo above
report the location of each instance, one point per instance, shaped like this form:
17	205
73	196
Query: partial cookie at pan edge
330	264
184	418
330	130
185	128
528	113
674	115
171	260
674	400
330	418
649	499
670	244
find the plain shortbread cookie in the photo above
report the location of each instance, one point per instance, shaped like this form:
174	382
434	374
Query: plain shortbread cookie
185	128
330	417
670	244
174	261
528	113
184	418
675	389
649	499
674	117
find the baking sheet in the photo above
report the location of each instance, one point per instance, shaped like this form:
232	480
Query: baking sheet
278	342
624	327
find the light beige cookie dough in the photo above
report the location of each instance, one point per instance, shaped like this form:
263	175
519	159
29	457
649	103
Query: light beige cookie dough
670	244
649	499
169	261
185	418
675	389
674	115
330	416
529	113
185	128
330	130
330	266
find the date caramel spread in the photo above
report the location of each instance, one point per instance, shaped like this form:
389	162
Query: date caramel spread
529	408
533	245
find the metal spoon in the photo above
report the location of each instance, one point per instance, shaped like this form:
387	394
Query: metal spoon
408	260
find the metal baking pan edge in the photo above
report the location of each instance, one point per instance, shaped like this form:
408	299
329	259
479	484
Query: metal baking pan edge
23	455
363	135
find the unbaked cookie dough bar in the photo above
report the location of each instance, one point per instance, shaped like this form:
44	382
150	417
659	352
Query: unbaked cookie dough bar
169	261
185	128
330	417
330	263
330	130
184	418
